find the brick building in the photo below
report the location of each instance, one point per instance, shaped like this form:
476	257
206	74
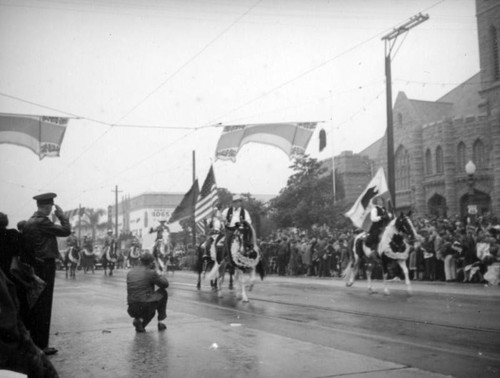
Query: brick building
433	141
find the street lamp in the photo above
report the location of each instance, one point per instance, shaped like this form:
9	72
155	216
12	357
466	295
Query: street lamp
470	169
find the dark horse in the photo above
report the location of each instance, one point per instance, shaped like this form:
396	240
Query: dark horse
109	258
394	246
242	253
71	261
207	255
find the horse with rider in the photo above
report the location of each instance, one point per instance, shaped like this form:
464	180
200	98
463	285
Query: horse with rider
110	253
240	250
388	240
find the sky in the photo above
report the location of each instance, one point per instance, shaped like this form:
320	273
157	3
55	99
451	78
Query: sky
147	82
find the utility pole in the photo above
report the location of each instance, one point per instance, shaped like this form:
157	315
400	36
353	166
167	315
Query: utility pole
390	41
116	210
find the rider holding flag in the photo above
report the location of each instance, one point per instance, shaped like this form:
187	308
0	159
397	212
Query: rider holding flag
380	217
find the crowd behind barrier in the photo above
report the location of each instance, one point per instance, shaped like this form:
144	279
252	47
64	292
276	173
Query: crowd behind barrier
449	250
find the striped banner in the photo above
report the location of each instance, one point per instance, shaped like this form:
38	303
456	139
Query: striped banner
291	138
41	134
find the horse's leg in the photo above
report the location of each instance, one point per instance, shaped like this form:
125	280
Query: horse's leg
385	263
231	280
252	279
220	280
241	283
404	268
369	270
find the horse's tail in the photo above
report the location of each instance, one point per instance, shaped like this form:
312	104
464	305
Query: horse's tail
347	270
212	275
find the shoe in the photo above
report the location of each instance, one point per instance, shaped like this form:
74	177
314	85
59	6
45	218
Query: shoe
162	326
49	351
138	325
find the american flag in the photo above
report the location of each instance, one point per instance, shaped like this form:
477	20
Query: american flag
207	199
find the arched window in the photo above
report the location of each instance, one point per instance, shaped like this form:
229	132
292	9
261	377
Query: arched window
461	157
402	169
479	154
439	160
495	53
428	162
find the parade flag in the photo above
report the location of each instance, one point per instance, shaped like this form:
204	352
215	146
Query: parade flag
41	134
207	199
71	213
291	138
186	208
360	211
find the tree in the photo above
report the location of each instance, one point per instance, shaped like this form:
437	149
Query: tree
308	197
91	219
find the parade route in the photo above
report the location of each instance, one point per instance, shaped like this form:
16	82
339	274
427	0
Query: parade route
95	338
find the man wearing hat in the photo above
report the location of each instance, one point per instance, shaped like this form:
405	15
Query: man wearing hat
41	234
142	299
233	216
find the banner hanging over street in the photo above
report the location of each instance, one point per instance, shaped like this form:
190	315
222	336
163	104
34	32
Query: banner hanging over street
41	134
291	138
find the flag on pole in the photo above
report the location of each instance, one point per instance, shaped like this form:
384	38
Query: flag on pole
186	208
41	134
360	211
207	199
291	138
71	213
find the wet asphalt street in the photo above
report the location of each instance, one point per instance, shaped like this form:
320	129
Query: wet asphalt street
292	327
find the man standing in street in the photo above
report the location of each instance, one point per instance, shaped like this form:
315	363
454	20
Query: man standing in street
41	234
142	299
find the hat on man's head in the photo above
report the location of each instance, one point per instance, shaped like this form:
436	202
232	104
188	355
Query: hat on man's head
237	198
110	231
45	198
147	258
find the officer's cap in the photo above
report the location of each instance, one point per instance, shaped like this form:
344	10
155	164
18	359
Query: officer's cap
45	198
237	198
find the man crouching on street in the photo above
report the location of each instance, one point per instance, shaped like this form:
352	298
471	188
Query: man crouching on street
143	301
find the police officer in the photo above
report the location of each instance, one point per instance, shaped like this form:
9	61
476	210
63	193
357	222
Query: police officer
41	239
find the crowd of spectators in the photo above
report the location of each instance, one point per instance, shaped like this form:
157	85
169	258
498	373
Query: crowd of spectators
451	250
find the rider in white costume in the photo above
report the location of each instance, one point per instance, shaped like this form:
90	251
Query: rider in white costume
233	216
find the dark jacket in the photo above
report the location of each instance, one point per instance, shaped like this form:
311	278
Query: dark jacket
41	234
141	281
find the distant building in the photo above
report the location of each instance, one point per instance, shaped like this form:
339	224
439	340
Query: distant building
137	215
433	141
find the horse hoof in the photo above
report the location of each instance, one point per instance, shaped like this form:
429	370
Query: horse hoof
348	284
387	292
371	291
250	287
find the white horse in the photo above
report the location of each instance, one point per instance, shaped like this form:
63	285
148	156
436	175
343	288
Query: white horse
394	246
246	258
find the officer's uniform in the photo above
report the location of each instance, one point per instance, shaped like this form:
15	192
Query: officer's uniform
41	237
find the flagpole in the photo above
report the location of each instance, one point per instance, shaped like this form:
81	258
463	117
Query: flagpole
194	205
333	166
79	223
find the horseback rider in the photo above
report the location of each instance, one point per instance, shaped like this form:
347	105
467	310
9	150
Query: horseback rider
214	231
233	217
72	241
380	217
161	231
110	243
